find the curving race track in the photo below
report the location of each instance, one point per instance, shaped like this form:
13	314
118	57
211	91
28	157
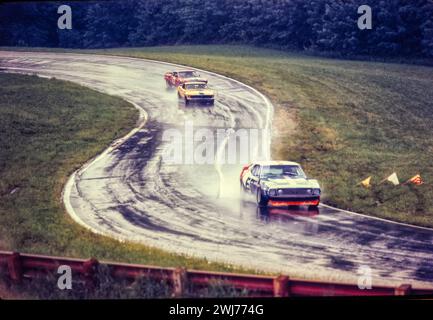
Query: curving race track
129	192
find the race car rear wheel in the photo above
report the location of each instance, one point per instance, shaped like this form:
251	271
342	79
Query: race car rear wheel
261	199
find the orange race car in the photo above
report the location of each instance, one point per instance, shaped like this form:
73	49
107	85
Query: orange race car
176	78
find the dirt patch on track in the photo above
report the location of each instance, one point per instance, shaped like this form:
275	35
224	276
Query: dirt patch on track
285	124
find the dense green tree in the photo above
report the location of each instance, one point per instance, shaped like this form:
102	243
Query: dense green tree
29	24
400	27
74	38
108	24
427	30
338	28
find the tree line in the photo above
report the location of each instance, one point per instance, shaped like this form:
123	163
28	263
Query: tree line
400	27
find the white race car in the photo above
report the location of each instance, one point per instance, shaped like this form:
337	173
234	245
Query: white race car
280	183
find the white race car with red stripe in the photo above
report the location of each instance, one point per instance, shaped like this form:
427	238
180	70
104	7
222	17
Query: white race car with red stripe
280	183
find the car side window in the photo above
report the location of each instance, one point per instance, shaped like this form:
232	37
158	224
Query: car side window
255	171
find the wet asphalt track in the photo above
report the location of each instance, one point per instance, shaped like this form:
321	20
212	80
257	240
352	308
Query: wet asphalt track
129	192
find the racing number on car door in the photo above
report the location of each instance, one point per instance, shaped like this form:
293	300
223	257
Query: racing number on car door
248	180
254	178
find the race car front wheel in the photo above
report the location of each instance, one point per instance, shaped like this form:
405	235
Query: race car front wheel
262	200
241	191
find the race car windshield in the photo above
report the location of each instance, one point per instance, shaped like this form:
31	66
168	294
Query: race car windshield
281	171
195	86
188	74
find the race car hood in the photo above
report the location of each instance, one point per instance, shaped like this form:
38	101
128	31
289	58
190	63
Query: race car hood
199	92
290	183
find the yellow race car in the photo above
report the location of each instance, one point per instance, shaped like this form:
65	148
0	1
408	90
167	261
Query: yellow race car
196	91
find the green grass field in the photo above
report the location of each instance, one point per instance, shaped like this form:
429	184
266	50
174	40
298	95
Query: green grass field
353	119
48	129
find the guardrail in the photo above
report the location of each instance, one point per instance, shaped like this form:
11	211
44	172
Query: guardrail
28	266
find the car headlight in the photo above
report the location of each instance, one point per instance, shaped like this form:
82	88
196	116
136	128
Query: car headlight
265	188
316	192
272	192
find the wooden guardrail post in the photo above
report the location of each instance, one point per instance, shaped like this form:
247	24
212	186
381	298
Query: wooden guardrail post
281	286
89	268
179	282
403	290
15	267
